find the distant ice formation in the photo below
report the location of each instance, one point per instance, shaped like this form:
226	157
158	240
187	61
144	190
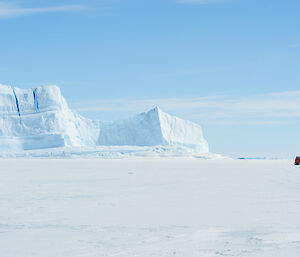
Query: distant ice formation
39	118
152	128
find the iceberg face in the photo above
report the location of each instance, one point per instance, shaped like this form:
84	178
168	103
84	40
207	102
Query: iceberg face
153	128
142	130
176	131
40	118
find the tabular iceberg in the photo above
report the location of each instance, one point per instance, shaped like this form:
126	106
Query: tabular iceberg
39	118
153	128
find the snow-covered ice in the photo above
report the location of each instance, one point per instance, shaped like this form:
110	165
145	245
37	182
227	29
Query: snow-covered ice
149	207
39	118
99	203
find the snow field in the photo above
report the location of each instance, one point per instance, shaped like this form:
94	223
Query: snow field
149	207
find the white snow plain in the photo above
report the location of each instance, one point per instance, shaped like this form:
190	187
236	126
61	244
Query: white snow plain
142	207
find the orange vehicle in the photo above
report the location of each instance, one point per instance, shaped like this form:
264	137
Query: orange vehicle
297	160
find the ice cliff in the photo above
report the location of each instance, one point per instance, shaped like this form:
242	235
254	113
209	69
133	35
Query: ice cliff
153	128
40	118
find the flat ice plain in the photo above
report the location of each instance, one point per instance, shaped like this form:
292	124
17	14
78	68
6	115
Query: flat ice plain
141	207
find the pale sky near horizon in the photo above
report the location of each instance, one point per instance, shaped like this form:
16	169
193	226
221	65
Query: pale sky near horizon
230	65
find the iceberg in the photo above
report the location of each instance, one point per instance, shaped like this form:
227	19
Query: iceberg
40	118
152	128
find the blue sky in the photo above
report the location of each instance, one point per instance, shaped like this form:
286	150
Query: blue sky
230	65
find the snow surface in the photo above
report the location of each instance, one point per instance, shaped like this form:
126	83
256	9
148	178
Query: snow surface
40	118
149	207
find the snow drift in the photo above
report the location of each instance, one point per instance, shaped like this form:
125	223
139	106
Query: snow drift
40	118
